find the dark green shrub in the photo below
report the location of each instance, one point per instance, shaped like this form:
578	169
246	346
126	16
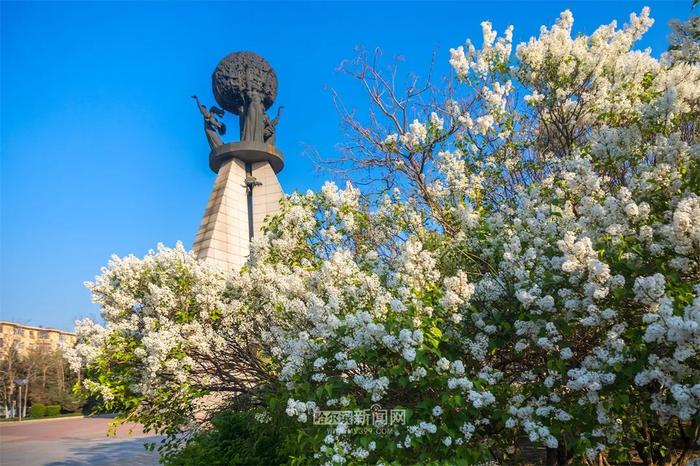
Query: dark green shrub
70	403
236	438
37	410
53	410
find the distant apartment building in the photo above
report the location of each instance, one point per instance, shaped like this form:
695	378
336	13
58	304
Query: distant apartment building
24	337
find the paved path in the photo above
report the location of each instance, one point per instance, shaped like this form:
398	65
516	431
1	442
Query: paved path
72	442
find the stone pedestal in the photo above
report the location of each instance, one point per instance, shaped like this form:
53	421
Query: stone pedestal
246	190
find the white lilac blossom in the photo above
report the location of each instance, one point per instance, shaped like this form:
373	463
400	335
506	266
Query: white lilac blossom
416	135
647	290
540	268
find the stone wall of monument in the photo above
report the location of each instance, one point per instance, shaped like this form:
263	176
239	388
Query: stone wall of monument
223	234
266	197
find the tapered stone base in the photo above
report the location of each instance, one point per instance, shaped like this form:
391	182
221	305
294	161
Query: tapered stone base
231	216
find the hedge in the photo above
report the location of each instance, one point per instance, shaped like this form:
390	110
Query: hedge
53	410
37	410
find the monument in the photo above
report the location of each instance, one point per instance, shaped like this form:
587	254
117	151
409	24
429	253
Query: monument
246	189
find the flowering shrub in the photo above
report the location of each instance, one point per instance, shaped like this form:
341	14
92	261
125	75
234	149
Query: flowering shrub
537	278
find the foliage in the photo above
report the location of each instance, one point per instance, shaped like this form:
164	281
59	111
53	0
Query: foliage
534	273
50	379
172	337
37	410
53	410
236	438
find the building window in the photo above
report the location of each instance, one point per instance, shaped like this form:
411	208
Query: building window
18	331
31	333
18	345
44	335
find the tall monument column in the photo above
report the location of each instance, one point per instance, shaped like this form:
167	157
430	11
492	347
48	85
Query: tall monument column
246	189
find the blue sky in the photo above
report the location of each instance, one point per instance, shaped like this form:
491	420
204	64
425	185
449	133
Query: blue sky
102	148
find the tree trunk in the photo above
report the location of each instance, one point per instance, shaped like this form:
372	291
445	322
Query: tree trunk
26	397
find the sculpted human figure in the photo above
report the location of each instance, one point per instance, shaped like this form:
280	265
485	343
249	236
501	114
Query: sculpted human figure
213	128
252	118
269	132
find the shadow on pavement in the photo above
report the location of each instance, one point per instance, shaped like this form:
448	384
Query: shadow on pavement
121	452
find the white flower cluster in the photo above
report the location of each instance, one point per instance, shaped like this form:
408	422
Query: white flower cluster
300	409
416	135
143	311
543	270
674	370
